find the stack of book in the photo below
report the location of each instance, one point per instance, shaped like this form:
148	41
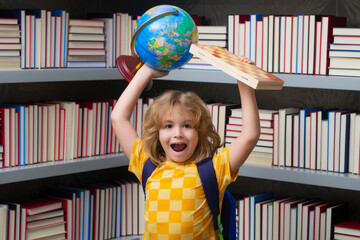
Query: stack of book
347	230
208	35
344	53
10	43
86	43
42	218
262	153
212	35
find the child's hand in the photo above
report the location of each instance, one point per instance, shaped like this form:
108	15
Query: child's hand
152	72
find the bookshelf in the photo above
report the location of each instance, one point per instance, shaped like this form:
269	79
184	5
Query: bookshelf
95	74
284	174
52	169
294	175
309	178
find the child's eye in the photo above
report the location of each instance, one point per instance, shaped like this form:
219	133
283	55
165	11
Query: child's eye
168	126
187	126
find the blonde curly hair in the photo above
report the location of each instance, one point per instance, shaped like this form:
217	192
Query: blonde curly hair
190	103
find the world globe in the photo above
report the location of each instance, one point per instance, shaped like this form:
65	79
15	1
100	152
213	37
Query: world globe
164	41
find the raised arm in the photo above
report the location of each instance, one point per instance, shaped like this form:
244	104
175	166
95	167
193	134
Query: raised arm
121	114
242	146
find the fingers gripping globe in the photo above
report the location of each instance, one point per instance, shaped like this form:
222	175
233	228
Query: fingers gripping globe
164	42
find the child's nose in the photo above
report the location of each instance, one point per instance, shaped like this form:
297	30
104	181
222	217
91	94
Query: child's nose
178	132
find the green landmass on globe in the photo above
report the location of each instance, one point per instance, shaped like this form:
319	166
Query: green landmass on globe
165	42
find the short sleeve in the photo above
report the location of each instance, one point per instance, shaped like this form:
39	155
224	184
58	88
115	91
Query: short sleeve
137	159
222	169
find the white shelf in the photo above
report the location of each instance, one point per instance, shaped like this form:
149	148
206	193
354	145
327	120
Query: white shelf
303	176
52	169
294	175
90	74
59	75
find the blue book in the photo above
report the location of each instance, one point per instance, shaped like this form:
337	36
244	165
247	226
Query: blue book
85	207
253	19
334	121
60	54
303	113
299	45
253	200
344	143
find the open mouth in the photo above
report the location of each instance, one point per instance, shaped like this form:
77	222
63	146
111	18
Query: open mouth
178	147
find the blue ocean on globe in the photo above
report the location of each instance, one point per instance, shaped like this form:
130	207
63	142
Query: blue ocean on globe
164	43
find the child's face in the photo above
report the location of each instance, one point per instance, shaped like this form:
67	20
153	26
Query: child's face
178	137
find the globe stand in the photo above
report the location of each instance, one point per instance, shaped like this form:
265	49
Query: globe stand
129	65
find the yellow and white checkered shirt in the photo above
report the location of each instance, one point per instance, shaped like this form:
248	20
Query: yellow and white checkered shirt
175	205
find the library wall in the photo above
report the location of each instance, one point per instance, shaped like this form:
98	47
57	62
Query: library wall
215	11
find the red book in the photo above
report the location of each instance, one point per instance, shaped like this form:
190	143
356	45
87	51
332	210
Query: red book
327	25
350	228
31	208
5	135
319	222
41	205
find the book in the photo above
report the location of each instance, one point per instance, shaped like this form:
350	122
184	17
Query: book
346	39
253	199
224	112
212	29
319	223
304	136
327	25
350	228
282	133
344	63
344	72
346	31
307	213
344	53
344	46
334	214
237	67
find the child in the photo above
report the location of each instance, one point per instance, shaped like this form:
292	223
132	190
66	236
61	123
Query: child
178	132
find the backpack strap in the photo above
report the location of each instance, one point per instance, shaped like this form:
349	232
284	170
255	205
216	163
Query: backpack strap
148	169
208	180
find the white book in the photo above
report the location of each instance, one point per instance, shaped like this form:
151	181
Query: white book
247	39
311	48
351	141
271	43
265	48
324	139
317	48
294	50
300	44
305	52
282	44
288	32
356	152
231	33
282	133
236	30
259	44
307	153
295	146
241	219
319	139
288	140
